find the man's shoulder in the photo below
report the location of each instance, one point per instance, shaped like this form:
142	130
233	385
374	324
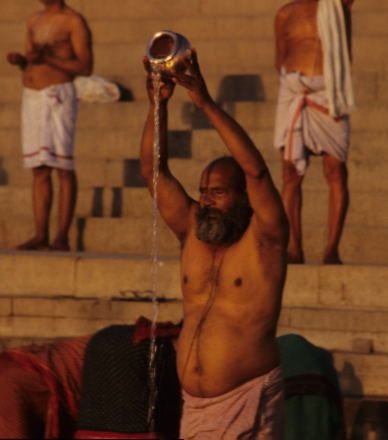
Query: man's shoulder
75	17
32	18
287	9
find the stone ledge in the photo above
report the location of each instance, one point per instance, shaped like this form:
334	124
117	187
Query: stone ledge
88	275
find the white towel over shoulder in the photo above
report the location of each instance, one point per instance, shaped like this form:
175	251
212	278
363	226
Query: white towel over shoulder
336	59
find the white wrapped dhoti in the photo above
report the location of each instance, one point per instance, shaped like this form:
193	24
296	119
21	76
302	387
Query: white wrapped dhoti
303	124
48	126
254	410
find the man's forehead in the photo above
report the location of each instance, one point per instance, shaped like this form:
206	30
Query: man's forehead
216	176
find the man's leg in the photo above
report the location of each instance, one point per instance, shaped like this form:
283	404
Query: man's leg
292	200
66	203
42	195
337	178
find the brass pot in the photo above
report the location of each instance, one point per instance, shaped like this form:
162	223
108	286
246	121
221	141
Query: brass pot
166	50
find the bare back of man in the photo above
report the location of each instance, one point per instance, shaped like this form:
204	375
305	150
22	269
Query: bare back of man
299	49
300	46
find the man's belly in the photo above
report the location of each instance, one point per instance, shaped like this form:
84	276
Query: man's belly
41	76
221	356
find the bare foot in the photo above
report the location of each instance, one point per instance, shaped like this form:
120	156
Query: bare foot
34	244
332	258
297	258
60	245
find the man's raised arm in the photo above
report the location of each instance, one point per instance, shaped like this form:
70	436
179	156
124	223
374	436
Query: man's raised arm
263	196
173	202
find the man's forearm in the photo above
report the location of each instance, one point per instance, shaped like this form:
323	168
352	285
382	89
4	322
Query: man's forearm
72	67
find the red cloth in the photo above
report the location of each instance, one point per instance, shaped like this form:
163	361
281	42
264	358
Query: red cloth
40	386
42	381
143	330
114	435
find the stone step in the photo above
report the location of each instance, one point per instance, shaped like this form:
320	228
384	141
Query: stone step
341	340
367	208
320	292
205	145
365	173
62	295
211	8
259	85
370	5
124	59
84	275
231	56
196	28
16	11
254	115
360	244
257	26
367	176
130	116
336	329
362	375
132	29
125	9
184	9
110	116
198	144
115	233
92	202
122	277
45	317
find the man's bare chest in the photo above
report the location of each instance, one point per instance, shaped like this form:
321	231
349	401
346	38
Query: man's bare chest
226	274
51	32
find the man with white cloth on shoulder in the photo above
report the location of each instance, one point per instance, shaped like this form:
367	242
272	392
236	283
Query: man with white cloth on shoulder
315	99
58	48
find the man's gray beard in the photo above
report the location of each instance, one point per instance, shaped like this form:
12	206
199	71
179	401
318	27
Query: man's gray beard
218	228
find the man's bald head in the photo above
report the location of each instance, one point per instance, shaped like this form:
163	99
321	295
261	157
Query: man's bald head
230	169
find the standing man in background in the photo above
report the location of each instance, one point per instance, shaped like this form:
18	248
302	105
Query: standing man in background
315	98
58	48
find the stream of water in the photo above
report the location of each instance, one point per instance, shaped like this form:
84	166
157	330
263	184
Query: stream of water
154	255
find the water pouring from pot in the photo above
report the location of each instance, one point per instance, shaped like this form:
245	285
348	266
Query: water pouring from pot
166	52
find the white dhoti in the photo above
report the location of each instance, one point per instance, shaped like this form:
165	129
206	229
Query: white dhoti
48	126
255	410
303	124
